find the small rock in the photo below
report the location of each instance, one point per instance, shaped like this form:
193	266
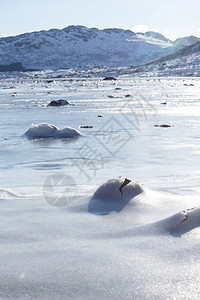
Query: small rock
126	181
85	126
60	102
164	125
109	78
188	84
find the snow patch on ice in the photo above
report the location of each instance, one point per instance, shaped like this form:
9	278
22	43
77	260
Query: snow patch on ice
45	130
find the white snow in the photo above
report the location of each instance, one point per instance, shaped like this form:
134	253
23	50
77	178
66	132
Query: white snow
50	131
111	190
180	223
138	243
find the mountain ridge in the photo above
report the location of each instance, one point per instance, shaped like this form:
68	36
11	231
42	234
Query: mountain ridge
77	46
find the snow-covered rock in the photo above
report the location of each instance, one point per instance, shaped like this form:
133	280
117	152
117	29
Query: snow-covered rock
114	195
111	190
44	130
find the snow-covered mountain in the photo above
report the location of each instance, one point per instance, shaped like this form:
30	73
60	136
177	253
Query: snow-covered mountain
78	46
183	62
186	41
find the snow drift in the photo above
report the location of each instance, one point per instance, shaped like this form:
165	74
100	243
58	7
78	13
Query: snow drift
44	130
114	195
179	223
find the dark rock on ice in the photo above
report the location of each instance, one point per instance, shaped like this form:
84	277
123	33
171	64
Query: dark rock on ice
60	102
86	126
109	78
189	84
164	125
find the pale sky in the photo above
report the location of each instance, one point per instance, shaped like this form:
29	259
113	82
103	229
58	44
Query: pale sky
173	18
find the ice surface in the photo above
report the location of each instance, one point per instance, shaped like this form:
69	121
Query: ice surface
138	243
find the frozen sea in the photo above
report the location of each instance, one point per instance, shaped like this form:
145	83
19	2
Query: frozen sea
67	231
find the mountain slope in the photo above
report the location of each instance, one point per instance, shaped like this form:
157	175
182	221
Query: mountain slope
78	46
185	61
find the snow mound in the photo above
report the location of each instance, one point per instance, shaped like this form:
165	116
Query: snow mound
44	130
111	190
114	195
180	223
